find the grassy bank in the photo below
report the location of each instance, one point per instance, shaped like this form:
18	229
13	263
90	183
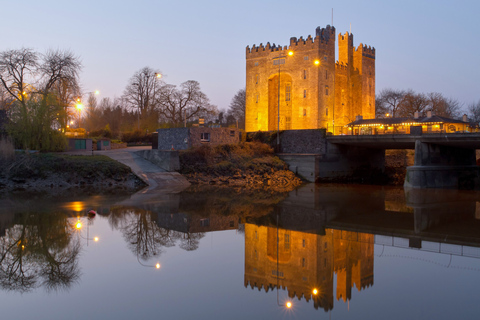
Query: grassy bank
51	170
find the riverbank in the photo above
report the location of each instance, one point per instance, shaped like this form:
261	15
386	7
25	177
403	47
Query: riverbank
54	172
249	165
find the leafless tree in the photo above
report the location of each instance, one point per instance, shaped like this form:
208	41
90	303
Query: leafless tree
237	108
16	68
443	106
474	112
413	102
186	103
60	67
141	91
389	102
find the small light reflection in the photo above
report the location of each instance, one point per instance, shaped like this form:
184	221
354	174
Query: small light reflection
315	291
157	266
288	304
78	225
95	239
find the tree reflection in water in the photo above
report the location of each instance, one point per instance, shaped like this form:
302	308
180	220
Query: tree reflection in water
37	251
143	235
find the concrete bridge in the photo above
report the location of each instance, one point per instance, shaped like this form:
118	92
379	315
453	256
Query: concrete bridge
441	160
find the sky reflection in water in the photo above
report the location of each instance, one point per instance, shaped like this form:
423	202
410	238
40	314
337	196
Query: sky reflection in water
369	252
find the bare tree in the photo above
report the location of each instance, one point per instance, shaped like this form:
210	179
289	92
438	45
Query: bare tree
388	102
141	91
413	102
237	108
443	106
474	112
16	66
60	67
183	104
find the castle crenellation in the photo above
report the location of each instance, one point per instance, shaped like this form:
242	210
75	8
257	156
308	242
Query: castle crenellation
310	89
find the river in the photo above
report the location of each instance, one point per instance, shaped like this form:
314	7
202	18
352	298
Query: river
320	251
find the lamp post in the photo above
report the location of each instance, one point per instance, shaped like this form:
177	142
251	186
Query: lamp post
279	60
79	104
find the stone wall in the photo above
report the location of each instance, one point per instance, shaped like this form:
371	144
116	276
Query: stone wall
216	136
176	138
184	138
303	141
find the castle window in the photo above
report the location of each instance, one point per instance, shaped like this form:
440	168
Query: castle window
287	241
288	90
326	90
303	262
257	99
325	58
205	137
257	77
304	74
276	62
305	93
256	64
303	241
304	114
326	111
305	58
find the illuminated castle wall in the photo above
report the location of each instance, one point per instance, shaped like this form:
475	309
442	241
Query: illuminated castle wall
308	261
315	90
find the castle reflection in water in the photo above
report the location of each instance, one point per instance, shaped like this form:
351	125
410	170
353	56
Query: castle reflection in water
299	242
305	263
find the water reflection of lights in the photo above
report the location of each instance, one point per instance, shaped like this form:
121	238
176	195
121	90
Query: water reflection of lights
288	304
156	266
78	226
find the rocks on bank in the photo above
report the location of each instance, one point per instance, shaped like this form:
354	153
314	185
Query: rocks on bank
250	165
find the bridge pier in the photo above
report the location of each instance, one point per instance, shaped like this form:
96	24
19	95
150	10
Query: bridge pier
440	166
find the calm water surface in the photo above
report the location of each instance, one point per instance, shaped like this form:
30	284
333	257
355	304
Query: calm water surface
333	252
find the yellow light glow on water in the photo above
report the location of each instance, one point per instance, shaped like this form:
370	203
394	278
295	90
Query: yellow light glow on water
288	304
314	291
157	266
78	225
95	239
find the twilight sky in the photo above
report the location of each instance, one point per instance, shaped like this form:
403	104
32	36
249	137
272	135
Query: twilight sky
424	45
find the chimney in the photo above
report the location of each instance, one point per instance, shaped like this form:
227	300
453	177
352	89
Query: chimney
416	115
464	118
429	114
358	118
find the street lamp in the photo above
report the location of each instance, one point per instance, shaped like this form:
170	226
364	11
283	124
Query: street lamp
279	60
79	104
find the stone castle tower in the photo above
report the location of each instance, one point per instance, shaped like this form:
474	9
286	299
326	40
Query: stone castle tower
305	85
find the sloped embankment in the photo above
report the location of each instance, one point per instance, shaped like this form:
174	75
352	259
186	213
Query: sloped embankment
250	165
42	172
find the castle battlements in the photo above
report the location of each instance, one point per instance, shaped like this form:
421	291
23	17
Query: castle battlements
366	51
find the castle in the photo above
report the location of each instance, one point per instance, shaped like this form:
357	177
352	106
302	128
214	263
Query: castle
306	86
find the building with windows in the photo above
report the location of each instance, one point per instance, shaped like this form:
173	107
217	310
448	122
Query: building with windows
409	125
302	86
185	138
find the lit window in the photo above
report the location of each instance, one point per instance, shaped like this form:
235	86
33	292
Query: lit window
205	137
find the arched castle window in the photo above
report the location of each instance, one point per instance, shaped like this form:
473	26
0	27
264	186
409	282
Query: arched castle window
288	89
305	93
305	74
326	90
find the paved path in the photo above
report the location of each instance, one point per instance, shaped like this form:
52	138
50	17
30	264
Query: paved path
158	179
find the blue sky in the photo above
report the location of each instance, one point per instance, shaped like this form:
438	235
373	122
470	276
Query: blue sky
421	45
